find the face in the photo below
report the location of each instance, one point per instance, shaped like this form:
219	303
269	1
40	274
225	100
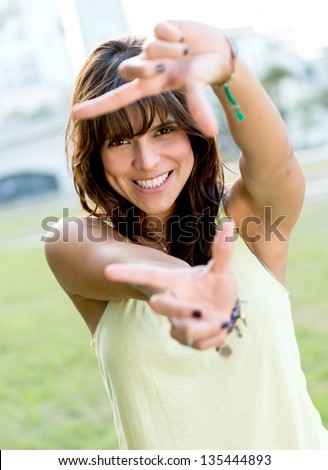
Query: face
150	170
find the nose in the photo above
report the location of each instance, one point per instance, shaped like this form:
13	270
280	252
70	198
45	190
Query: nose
145	156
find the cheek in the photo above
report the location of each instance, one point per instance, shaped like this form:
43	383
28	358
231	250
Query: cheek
114	167
183	151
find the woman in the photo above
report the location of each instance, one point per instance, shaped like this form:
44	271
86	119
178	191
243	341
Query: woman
142	139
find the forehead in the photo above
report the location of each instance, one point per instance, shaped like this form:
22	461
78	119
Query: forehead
141	119
136	117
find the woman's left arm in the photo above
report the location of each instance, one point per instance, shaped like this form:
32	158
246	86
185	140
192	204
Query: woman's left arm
265	201
270	173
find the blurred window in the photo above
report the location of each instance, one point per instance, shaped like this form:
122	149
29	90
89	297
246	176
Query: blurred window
26	185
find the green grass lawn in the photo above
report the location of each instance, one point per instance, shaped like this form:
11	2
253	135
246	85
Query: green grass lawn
307	282
52	396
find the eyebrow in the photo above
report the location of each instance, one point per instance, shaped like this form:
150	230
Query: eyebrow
168	122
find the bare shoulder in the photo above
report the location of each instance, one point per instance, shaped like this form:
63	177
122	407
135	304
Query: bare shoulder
78	249
79	229
70	239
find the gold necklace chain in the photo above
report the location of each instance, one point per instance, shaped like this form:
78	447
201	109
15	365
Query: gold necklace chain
160	243
163	246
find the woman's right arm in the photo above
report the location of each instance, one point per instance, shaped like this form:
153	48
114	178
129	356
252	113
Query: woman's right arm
88	260
81	250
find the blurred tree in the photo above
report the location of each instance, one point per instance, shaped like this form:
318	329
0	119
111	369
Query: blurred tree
323	98
306	110
7	10
272	80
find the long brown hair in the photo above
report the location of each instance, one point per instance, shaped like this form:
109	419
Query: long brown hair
191	228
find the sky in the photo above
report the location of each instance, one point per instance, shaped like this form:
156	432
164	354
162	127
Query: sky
305	21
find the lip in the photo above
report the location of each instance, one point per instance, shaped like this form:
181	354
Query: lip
157	188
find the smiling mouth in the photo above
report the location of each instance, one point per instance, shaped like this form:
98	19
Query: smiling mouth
153	183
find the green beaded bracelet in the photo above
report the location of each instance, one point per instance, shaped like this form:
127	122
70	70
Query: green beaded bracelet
232	100
234	103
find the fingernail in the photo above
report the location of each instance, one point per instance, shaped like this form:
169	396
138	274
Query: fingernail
185	52
197	314
160	68
182	39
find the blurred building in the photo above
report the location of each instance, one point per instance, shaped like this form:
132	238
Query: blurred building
294	84
43	44
100	20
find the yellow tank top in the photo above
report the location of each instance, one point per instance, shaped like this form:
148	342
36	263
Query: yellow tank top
169	396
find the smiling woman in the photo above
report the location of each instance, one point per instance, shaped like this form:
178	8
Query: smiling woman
142	141
151	169
132	147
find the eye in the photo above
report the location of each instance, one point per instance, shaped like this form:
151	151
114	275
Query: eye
117	142
165	130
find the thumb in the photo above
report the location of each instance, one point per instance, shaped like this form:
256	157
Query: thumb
201	109
223	245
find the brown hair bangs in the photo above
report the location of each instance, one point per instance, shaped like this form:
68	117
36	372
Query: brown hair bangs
116	125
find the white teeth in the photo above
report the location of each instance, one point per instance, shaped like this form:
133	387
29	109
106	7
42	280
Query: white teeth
152	183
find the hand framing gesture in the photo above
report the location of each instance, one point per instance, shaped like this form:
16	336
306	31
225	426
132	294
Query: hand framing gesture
197	300
181	55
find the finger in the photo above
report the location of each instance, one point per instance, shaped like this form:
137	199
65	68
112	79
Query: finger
201	109
166	304
160	278
108	102
131	69
194	330
223	245
168	31
158	48
214	341
123	96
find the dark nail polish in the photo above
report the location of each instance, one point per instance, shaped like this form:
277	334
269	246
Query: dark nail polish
185	52
182	39
160	68
197	314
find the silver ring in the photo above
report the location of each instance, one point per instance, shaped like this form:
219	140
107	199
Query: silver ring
189	342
